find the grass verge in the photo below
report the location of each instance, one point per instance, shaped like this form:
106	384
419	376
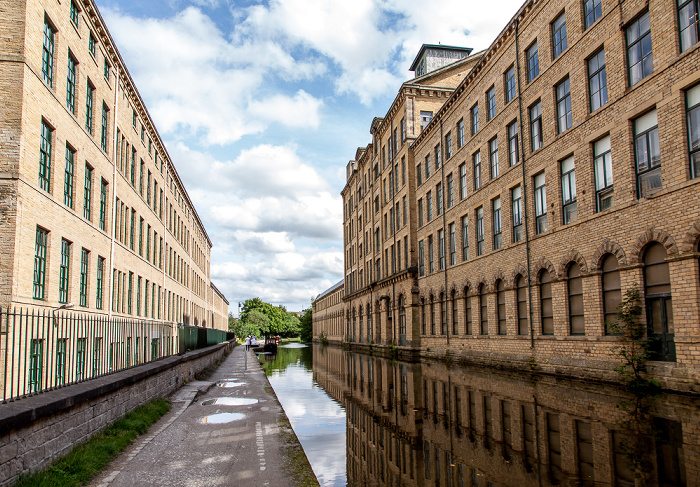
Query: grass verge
88	459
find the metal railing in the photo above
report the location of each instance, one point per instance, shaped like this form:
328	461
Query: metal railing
45	350
192	337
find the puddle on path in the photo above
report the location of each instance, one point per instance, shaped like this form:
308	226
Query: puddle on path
221	418
230	401
227	383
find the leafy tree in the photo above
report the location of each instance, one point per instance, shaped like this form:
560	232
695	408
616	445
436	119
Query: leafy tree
291	326
306	323
275	315
633	350
232	322
252	323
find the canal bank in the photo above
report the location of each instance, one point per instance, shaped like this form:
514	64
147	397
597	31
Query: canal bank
594	369
227	430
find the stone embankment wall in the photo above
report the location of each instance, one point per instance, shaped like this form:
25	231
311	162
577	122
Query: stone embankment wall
37	430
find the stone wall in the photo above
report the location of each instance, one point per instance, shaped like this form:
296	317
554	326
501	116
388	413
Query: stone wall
36	431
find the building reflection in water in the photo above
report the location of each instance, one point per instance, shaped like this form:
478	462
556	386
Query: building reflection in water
430	424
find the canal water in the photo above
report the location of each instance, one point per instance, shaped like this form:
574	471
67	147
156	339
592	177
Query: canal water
317	419
366	421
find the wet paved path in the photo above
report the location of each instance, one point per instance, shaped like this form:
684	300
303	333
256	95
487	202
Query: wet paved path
228	436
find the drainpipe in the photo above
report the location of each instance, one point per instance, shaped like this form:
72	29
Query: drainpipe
444	231
394	228
114	189
524	192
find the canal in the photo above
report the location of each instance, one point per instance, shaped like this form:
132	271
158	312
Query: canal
365	420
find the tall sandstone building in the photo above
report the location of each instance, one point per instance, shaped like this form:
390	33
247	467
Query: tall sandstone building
92	210
510	199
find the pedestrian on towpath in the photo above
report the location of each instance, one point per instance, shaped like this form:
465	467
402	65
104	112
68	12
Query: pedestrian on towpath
247	343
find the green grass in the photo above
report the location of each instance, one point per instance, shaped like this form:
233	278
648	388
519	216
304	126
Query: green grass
88	459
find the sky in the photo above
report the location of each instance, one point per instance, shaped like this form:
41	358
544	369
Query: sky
262	104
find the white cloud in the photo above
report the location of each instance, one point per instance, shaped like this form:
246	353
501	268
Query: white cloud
363	37
198	83
273	220
300	111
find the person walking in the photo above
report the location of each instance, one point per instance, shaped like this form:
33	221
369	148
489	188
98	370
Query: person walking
247	343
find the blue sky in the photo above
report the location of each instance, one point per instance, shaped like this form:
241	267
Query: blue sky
262	104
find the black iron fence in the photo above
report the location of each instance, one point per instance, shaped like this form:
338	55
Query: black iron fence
44	350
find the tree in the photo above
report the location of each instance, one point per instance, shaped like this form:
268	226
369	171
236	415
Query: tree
291	325
306	323
232	322
252	323
275	315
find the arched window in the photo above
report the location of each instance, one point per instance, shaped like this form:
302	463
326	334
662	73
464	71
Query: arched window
468	330
574	287
521	298
501	307
432	315
423	317
354	323
377	318
443	314
360	316
547	315
369	321
455	319
484	310
657	287
402	316
612	290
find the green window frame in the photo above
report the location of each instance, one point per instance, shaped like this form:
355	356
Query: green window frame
138	296
640	53
143	165
61	348
592	11
69	176
87	208
45	157
89	101
131	233
47	53
40	263
133	167
145	299
129	298
74	14
64	271
105	126
96	356
80	362
103	204
36	365
84	258
559	41
141	237
70	83
92	45
100	282
688	23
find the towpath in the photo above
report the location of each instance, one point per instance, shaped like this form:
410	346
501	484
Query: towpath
226	431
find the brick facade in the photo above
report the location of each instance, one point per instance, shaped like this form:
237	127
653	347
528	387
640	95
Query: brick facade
82	164
608	193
